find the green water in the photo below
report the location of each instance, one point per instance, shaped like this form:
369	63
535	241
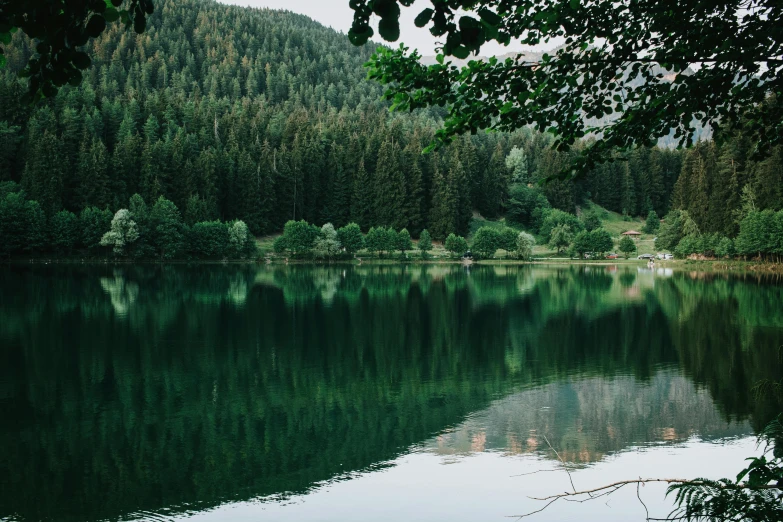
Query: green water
224	392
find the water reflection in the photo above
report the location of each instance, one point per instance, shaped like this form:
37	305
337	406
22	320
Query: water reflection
174	389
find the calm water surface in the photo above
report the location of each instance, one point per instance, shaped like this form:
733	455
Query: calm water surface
372	393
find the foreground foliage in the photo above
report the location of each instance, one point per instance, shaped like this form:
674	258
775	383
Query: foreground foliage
628	72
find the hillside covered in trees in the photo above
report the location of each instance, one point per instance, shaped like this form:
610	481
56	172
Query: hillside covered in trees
265	116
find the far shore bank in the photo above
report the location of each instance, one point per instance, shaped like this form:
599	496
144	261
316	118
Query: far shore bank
721	265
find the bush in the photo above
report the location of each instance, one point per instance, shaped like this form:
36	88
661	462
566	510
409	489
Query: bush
380	240
241	243
725	248
555	217
524	246
403	241
627	246
591	221
486	242
670	231
508	239
425	242
688	245
327	245
65	232
298	238
582	244
123	232
457	245
208	240
652	224
601	241
167	228
560	237
755	237
526	206
94	223
350	236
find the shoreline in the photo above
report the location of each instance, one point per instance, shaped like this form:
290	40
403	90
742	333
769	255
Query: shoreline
680	264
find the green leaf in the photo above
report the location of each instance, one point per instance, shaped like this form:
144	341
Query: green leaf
81	60
111	14
574	4
490	17
75	79
5	38
439	58
2	61
140	23
95	26
389	29
424	17
461	52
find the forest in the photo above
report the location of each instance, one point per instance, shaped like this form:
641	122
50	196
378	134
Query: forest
262	117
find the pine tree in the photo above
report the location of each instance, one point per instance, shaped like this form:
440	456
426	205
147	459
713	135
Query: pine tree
389	188
443	217
361	202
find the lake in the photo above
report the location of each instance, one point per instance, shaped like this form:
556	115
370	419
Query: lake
384	393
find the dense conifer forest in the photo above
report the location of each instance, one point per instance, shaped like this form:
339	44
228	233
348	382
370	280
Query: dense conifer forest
263	116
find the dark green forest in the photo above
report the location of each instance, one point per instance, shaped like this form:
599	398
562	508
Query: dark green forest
266	116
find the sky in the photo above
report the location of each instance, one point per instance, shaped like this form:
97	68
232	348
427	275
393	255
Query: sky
337	15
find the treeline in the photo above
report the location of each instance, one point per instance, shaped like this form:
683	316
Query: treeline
760	236
135	232
265	117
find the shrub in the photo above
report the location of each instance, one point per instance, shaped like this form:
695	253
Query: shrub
591	221
123	232
526	206
298	238
209	240
486	242
403	241
524	246
350	236
555	217
508	239
627	246
560	237
455	244
425	242
652	224
601	241
327	245
65	231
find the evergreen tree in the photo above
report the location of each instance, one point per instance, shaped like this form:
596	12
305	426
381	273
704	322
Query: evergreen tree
389	187
166	228
652	223
425	243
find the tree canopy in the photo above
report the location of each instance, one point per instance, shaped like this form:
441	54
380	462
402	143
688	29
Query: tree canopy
61	28
627	72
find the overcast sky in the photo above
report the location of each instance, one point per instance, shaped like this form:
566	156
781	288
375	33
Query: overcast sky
337	14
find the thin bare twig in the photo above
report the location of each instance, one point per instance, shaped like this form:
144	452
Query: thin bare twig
639	496
562	461
617	485
536	511
534	472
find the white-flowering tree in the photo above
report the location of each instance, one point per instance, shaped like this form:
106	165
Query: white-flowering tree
516	163
123	232
237	237
327	245
525	244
